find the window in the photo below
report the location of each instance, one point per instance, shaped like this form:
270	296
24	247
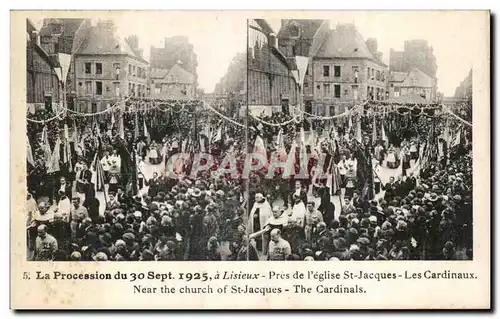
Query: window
88	87
157	90
98	68
94	107
346	92
130	68
373	74
134	70
98	88
326	70
337	90
392	85
336	70
116	65
88	68
326	90
378	75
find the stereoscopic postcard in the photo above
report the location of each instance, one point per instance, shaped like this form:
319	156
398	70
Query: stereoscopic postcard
250	160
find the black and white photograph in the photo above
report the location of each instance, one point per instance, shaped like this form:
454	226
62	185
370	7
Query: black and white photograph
341	139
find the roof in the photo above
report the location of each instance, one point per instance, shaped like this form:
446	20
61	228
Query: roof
181	75
409	99
70	26
308	28
345	42
398	76
103	38
158	73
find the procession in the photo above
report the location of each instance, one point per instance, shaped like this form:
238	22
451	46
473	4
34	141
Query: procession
184	176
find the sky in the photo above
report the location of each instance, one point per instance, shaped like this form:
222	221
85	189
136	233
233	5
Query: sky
454	36
218	36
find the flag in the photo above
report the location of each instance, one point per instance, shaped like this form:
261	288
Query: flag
280	140
218	135
67	148
54	158
302	137
121	130
136	130
29	152
202	145
312	138
292	157
66	143
374	135
74	137
112	120
358	132
47	152
446	134
98	175
384	137
146	133
335	180
456	140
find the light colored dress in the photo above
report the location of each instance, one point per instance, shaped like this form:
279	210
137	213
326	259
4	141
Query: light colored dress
153	152
391	157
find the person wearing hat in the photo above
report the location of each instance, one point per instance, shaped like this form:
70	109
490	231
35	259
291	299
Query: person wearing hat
154	185
146	255
107	244
75	256
341	252
247	250
101	256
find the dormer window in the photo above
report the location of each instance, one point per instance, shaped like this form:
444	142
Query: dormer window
355	49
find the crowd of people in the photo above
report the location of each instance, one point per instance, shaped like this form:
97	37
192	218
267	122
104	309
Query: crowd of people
427	215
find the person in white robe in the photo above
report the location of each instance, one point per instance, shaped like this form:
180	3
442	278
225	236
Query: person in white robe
64	208
262	210
298	212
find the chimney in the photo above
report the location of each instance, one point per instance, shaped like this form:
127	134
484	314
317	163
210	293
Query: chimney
272	40
35	38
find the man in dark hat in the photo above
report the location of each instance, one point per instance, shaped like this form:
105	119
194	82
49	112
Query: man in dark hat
389	189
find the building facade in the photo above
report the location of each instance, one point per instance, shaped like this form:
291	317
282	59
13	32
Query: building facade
414	82
416	54
42	84
270	81
346	70
301	37
57	36
176	50
107	70
173	84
